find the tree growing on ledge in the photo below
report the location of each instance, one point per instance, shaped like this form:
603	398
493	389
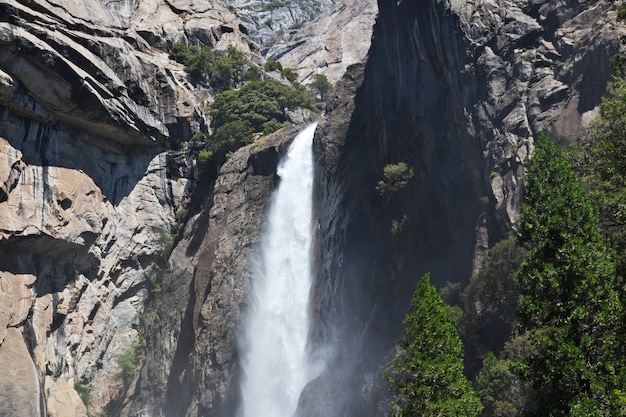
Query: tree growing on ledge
321	86
426	379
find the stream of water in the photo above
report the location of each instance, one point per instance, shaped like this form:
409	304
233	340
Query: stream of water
276	365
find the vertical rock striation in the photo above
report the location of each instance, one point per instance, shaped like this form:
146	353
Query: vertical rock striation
456	90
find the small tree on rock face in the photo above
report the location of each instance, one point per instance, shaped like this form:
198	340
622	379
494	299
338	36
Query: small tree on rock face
321	85
396	177
427	379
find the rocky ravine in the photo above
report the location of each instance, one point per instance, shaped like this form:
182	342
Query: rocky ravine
89	102
457	90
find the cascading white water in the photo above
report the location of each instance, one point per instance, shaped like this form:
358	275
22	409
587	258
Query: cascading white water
275	363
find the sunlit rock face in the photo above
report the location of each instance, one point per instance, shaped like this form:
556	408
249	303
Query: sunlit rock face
89	103
267	20
458	91
329	44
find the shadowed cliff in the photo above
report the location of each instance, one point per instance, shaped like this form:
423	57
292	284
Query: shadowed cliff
456	91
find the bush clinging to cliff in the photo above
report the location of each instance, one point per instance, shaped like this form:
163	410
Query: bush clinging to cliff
257	107
221	69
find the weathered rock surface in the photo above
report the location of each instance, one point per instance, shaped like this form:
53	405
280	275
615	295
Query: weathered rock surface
89	104
265	18
457	90
329	44
19	381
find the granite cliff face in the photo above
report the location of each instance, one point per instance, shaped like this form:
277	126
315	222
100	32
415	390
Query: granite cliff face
265	19
456	90
89	103
329	44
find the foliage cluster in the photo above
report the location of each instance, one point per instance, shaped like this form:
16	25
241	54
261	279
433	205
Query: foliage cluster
396	177
321	86
221	69
84	393
245	105
490	303
558	292
165	242
129	360
236	115
569	301
499	386
287	73
554	297
601	164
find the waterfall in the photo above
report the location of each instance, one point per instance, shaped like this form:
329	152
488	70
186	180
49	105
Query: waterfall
275	363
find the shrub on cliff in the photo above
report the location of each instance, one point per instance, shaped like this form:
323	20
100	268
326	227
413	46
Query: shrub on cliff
258	106
221	69
273	65
396	177
321	86
427	378
129	360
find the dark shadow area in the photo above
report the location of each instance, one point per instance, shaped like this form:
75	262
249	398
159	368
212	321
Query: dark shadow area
409	109
179	393
54	262
115	168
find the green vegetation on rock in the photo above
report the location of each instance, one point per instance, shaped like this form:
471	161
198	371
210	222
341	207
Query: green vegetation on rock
601	162
245	104
396	177
129	360
84	393
258	106
321	86
220	69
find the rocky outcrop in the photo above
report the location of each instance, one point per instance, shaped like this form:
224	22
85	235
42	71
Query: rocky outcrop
191	366
330	43
89	106
457	91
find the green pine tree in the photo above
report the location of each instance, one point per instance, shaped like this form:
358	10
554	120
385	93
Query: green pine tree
427	379
568	303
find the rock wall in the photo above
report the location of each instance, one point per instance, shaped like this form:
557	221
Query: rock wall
267	19
89	105
456	90
330	43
